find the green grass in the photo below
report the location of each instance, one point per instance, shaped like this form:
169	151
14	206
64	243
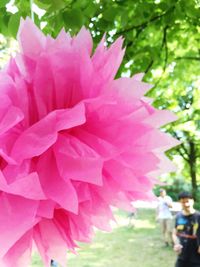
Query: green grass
125	246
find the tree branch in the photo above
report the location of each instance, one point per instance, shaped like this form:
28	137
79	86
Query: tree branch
144	24
183	148
149	66
188	58
182	154
164	44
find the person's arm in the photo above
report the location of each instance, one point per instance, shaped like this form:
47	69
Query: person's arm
174	237
169	202
177	246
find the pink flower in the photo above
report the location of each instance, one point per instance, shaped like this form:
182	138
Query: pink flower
73	142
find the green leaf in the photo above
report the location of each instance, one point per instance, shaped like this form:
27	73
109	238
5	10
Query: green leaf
24	7
80	4
56	24
73	18
43	5
197	122
13	24
90	10
3	3
124	18
3	25
102	25
110	14
56	5
169	18
46	2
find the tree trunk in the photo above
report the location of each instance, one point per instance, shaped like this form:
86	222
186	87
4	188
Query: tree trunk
192	165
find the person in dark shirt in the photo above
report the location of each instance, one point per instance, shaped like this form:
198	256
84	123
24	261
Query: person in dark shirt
186	234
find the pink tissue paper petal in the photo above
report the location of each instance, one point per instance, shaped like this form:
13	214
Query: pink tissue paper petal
74	141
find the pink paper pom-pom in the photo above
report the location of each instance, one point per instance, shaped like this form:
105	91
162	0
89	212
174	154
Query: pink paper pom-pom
73	142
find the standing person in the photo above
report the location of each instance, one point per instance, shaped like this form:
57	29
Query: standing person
164	216
54	264
131	217
186	234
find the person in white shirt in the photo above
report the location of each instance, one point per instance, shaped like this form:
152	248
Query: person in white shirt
164	216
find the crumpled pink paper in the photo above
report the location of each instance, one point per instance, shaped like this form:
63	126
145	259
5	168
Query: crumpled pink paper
73	142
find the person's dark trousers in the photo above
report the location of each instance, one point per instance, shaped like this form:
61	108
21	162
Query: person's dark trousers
181	263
